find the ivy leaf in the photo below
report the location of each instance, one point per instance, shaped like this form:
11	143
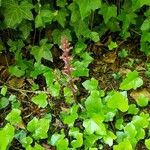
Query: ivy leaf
112	45
108	12
127	18
16	71
70	116
130	130
39	128
39	69
108	139
44	17
147	143
59	141
124	145
86	6
117	100
36	147
80	69
133	109
81	29
145	26
60	16
4	102
15	13
25	27
144	118
3	90
95	36
61	3
14	116
40	100
42	51
57	34
7	133
138	4
92	127
90	84
26	141
89	140
94	106
80	47
132	81
78	142
75	13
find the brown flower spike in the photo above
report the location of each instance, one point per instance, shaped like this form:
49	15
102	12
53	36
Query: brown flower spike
65	46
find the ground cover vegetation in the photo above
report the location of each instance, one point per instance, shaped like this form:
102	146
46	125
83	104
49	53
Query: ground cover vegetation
74	74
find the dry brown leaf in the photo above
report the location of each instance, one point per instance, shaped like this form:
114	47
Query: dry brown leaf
136	94
124	71
110	57
16	82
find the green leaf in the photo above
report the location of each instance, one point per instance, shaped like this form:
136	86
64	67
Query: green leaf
92	127
94	106
79	47
26	141
16	71
119	124
15	13
112	45
70	116
36	147
16	45
42	51
25	27
4	102
133	109
4	90
7	134
147	143
142	100
145	26
58	34
40	100
78	141
81	67
124	145
14	116
132	81
90	84
117	100
86	6
39	128
95	36
89	140
144	118
60	16
38	70
81	29
108	12
123	53
136	4
130	130
80	70
108	139
59	141
75	13
61	3
127	17
44	17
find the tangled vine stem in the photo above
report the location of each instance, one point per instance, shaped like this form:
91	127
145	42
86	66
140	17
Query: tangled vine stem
65	46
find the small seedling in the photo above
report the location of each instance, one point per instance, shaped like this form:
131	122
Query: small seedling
123	53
